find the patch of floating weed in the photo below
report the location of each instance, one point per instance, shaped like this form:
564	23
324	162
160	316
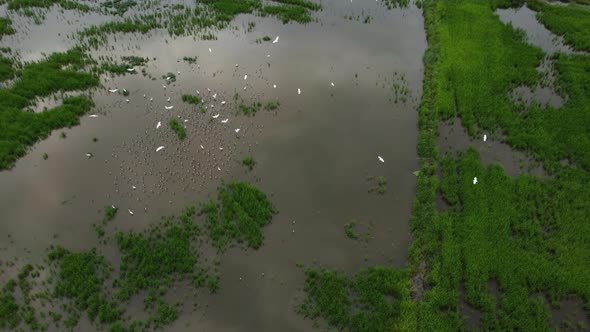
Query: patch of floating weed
118	7
178	128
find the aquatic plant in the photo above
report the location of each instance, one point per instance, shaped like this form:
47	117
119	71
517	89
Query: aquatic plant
6	69
190	60
349	230
572	22
241	212
249	162
272	105
178	128
377	299
58	72
118	7
5	26
191	99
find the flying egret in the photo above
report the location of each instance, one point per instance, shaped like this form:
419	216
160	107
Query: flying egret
130	69
224	120
169	107
223	102
159	148
237	130
93	116
159	124
215	116
215	96
380	159
113	90
276	40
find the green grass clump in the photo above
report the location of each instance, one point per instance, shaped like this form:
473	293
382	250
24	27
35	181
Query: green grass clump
377	299
266	38
118	7
249	162
572	22
6	69
240	213
115	68
250	110
349	230
380	185
80	278
9	308
287	13
191	99
178	128
153	258
190	60
110	212
5	26
271	105
134	61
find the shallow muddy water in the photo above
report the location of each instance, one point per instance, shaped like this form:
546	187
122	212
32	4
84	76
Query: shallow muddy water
314	153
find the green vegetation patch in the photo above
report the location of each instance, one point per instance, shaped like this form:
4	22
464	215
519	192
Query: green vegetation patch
349	230
118	7
178	128
6	69
239	214
249	162
375	300
191	99
5	26
65	4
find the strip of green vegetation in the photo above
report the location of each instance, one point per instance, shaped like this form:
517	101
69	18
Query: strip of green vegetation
391	4
178	128
191	99
5	27
6	69
65	4
249	162
208	14
20	129
250	110
572	22
240	213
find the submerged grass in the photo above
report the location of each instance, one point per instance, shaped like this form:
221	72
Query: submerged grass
249	162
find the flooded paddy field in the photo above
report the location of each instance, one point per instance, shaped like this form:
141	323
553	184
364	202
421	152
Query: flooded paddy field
290	165
345	94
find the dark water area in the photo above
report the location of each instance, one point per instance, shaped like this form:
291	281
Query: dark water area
314	154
